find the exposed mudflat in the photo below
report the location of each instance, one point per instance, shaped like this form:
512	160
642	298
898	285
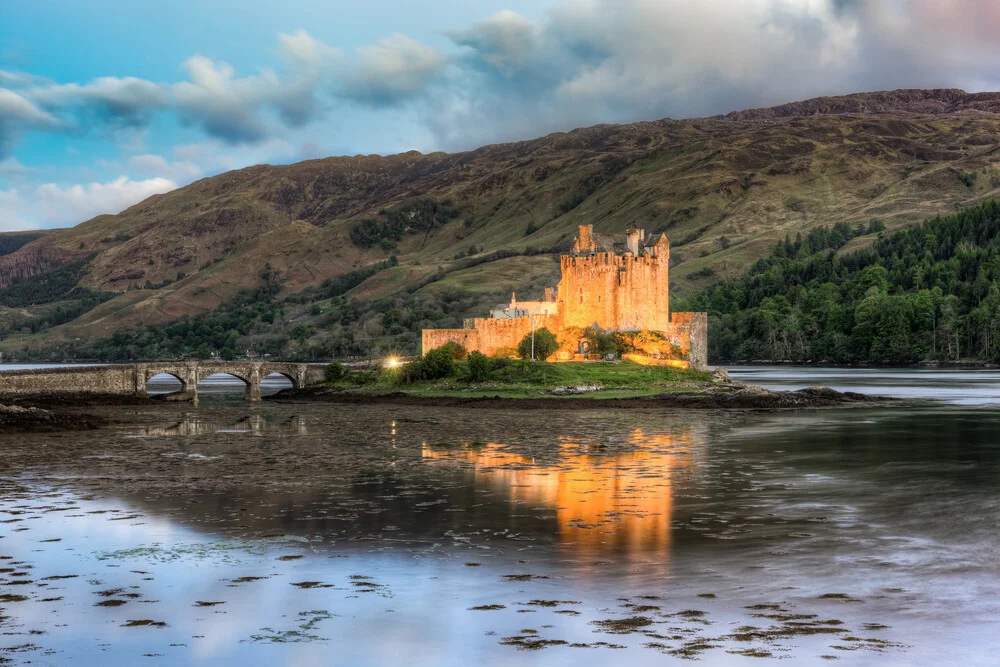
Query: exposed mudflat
16	418
52	399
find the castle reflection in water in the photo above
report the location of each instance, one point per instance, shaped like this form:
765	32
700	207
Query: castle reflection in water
604	503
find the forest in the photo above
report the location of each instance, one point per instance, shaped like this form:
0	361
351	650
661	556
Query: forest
929	292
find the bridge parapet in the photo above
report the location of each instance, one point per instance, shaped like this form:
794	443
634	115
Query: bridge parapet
131	379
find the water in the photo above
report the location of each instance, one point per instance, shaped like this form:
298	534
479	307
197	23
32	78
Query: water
299	533
958	386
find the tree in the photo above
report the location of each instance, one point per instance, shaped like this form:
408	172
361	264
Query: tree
545	345
334	371
480	367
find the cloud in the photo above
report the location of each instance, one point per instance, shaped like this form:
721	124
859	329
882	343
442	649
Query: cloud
391	71
510	77
224	106
129	101
504	41
18	114
593	61
51	205
180	171
12	169
232	108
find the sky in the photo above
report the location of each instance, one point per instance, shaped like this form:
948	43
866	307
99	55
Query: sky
106	102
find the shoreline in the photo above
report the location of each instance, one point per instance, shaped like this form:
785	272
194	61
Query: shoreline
721	397
51	412
971	365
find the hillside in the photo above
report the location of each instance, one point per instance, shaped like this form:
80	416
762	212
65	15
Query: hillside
467	228
927	293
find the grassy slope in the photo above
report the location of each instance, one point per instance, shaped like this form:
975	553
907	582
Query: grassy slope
750	181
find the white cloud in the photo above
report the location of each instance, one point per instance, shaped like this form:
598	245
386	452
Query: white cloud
52	205
390	71
180	171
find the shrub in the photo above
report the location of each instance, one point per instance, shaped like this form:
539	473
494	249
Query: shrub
457	350
438	363
480	367
599	342
641	342
334	371
545	345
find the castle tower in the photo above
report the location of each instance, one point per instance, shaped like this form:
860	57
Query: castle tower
616	283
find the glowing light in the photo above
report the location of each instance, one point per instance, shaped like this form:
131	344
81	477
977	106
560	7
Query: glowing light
392	362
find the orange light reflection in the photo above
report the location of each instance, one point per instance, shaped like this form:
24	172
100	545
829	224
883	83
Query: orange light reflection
604	504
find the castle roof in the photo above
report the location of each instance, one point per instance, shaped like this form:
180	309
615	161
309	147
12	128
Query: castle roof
654	239
614	243
618	244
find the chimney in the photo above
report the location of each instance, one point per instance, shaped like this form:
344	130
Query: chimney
585	242
550	295
632	237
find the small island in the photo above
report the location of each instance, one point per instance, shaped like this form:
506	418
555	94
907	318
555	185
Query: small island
449	376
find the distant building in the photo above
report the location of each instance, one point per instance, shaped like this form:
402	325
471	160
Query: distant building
613	282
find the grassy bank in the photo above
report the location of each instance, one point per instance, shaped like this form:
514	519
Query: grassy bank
527	379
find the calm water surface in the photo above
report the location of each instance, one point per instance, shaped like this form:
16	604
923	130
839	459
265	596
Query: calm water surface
297	534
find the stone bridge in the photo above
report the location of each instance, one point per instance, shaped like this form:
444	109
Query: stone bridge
131	379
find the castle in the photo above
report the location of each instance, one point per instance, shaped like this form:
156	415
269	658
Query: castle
613	282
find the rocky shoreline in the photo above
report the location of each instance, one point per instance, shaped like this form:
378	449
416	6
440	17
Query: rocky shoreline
729	396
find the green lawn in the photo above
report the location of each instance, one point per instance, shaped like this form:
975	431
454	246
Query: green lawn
525	379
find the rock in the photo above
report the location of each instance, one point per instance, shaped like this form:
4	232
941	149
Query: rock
721	375
578	389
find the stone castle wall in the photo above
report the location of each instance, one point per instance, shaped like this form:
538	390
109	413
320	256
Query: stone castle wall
689	331
615	292
488	335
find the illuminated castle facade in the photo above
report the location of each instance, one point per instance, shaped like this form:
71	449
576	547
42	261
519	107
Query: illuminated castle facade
613	282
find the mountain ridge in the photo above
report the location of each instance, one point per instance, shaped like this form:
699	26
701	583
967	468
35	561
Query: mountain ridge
724	189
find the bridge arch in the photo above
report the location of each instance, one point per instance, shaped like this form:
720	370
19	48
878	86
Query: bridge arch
206	373
281	375
164	377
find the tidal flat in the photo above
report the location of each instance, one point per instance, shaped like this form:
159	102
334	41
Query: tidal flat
295	532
